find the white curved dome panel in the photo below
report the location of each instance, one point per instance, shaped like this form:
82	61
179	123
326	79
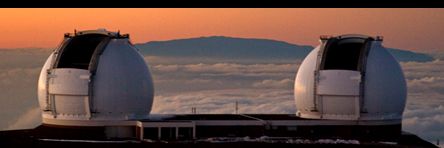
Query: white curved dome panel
303	86
42	89
386	88
95	75
123	78
350	77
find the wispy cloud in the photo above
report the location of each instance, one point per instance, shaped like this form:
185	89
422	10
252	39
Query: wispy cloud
31	119
285	83
223	102
218	76
424	112
231	68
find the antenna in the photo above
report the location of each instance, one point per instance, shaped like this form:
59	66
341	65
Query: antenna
237	108
193	110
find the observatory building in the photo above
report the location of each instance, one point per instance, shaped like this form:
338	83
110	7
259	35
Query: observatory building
93	78
95	75
349	85
351	77
97	86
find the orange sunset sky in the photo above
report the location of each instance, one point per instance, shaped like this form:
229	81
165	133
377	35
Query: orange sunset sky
407	29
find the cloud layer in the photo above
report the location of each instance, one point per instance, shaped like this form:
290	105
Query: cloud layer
424	112
214	85
251	101
199	76
19	74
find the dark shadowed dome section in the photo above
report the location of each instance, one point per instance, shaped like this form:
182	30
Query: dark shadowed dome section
343	54
79	50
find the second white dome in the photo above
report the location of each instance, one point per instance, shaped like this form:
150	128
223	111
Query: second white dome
350	77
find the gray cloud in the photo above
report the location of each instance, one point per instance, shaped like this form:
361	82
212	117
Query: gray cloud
285	83
427	123
156	60
19	72
227	68
426	85
424	112
417	70
30	119
18	89
223	102
23	58
217	76
18	77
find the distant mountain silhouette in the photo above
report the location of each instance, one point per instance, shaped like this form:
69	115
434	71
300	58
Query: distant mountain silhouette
407	56
242	48
224	47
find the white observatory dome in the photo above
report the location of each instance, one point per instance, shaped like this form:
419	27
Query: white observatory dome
350	77
95	75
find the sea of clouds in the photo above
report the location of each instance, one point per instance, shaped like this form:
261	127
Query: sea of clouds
214	86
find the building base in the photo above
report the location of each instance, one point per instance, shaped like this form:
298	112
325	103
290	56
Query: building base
176	128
